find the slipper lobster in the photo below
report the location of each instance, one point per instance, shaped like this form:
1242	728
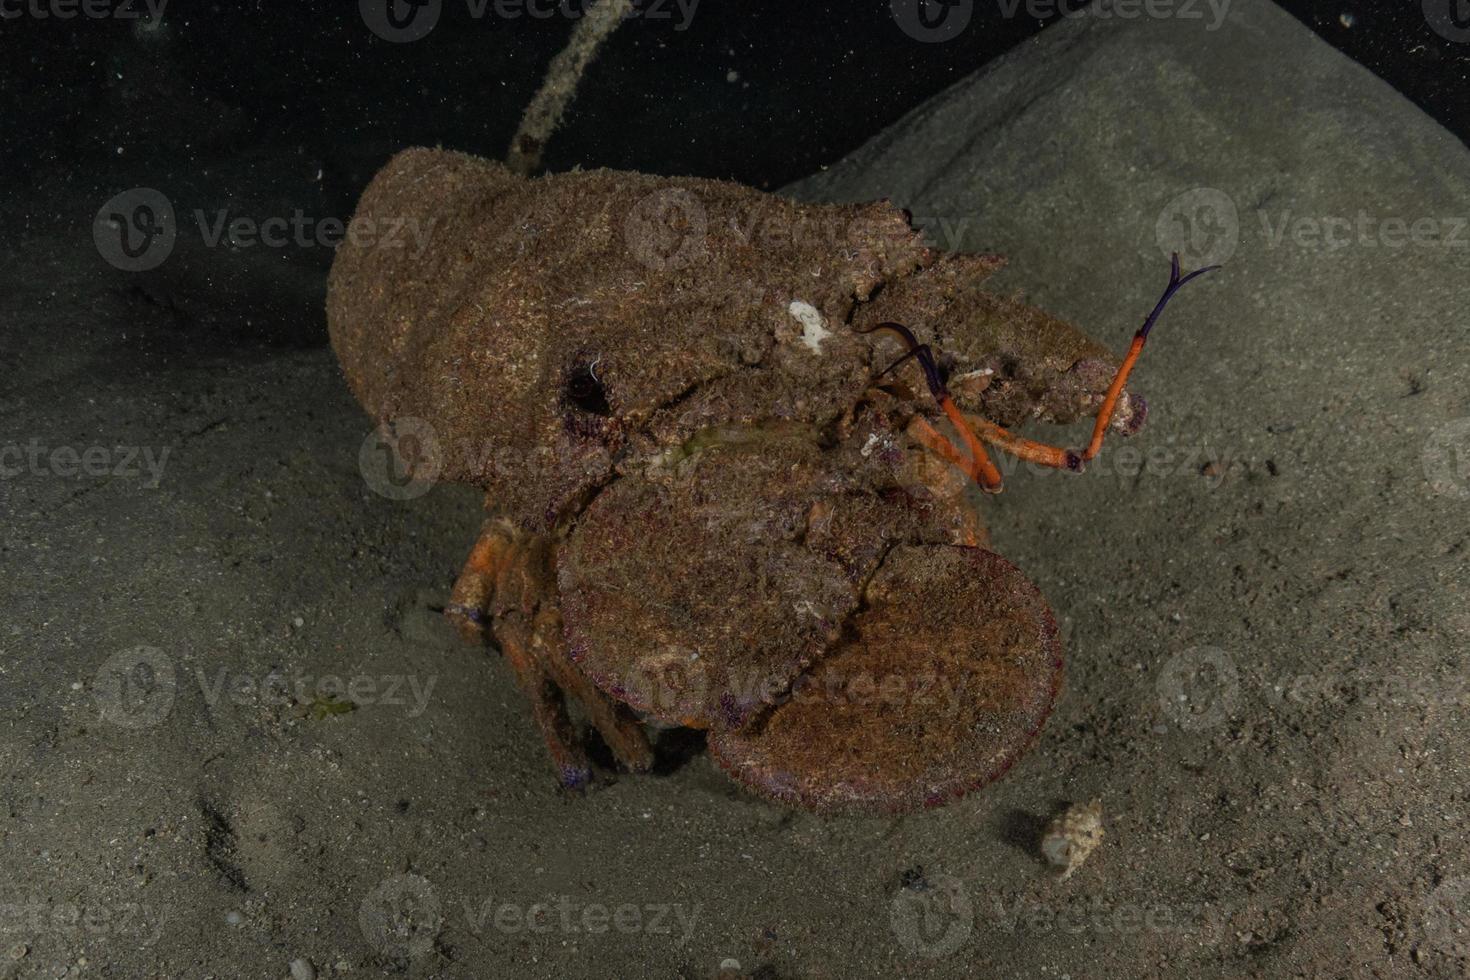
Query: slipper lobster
726	441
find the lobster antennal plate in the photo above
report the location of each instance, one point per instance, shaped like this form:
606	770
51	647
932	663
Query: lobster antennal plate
941	683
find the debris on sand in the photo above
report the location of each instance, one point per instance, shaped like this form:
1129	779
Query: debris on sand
1072	837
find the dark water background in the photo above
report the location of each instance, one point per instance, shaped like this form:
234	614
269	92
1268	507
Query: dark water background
761	91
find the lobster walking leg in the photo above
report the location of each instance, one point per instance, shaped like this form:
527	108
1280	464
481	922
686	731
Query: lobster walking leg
504	594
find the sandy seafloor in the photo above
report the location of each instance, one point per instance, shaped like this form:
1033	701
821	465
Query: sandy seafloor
1266	627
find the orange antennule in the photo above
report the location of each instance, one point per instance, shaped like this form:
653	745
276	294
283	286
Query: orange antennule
1110	400
976	431
981	469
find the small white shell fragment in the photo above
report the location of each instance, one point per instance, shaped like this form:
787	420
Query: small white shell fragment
813	328
1072	837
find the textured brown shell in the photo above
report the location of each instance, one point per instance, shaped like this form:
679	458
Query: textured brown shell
627	361
473	297
941	682
699	595
660	286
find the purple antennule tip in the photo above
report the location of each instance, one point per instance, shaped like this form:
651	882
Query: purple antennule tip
1074	461
575	777
1175	284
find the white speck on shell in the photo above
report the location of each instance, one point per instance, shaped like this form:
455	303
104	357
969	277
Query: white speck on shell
1072	837
813	327
868	446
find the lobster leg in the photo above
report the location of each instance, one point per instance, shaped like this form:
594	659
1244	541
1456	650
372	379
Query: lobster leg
504	594
518	644
614	721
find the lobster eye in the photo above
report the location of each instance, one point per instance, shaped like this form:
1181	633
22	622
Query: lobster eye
586	393
944	366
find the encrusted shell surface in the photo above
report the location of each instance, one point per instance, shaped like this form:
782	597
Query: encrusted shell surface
699	593
940	682
661	287
485	300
